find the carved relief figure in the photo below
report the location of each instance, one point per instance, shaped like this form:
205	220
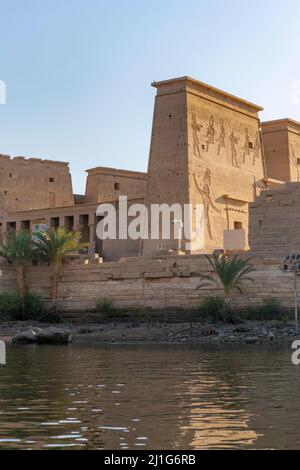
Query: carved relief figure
256	149
210	133
221	138
234	141
196	141
246	147
207	201
295	161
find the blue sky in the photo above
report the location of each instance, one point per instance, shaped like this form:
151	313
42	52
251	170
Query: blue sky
78	73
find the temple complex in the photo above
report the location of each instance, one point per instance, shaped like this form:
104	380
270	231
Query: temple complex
207	147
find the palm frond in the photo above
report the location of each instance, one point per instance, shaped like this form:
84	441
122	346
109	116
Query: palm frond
58	244
231	272
18	248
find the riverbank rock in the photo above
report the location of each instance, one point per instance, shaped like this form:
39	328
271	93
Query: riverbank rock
49	335
252	339
53	335
27	337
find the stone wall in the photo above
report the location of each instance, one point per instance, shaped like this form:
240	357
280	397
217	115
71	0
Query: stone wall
281	140
205	149
169	282
275	221
108	184
33	184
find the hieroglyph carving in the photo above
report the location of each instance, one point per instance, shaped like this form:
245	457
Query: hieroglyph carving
221	138
246	148
207	201
257	147
234	141
210	133
196	140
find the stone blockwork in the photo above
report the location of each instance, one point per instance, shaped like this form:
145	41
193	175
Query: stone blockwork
150	283
208	148
275	221
281	140
81	218
107	184
205	149
33	184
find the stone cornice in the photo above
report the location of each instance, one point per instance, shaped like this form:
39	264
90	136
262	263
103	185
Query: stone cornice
202	89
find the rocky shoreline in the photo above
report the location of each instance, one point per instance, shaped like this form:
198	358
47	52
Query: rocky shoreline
248	332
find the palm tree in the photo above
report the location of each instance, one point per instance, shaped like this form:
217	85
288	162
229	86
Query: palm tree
231	272
18	250
56	245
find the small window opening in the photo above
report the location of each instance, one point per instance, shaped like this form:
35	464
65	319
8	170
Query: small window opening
251	146
117	186
51	180
238	225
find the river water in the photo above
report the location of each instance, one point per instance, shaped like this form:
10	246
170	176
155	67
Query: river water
149	397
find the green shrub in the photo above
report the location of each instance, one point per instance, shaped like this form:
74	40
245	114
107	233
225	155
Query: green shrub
212	308
11	307
104	306
270	309
34	306
217	310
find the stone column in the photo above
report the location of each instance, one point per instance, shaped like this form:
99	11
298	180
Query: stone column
77	227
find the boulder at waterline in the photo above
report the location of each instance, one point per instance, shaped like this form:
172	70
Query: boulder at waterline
50	335
27	337
53	335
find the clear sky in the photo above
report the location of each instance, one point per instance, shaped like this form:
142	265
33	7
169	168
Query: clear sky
78	72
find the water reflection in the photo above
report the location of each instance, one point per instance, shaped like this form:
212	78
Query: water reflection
163	397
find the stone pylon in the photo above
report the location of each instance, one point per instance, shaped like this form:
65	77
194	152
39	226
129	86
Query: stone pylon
205	150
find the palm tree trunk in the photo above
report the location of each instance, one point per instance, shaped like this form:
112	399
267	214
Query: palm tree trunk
21	284
55	281
230	308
